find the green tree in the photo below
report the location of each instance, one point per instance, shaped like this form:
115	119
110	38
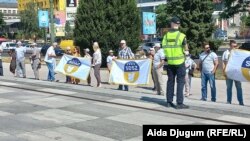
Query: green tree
162	17
2	23
233	7
196	21
29	21
68	30
107	21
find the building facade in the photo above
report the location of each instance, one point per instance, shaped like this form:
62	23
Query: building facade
149	5
9	10
59	5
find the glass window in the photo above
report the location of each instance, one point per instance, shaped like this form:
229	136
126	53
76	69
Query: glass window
5	11
9	11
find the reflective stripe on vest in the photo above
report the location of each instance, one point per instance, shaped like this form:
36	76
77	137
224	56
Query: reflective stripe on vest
173	47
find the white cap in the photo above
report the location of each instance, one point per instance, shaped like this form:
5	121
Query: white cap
157	45
111	51
186	52
86	49
19	43
33	44
55	44
123	42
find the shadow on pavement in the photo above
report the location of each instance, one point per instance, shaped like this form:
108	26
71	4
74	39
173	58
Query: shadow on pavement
154	100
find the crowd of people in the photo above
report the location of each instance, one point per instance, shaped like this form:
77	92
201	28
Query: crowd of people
174	49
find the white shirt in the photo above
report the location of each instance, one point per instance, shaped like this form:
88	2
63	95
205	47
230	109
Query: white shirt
159	55
97	57
189	64
47	58
208	63
20	53
110	59
225	56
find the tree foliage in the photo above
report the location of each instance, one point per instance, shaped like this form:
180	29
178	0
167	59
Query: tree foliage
68	30
2	23
233	7
29	21
196	20
108	22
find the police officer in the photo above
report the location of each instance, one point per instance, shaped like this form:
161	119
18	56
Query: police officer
174	44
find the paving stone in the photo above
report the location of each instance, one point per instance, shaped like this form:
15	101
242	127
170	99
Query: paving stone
21	107
117	106
5	101
108	128
95	110
5	114
53	102
7	83
5	90
140	118
135	139
57	91
240	120
59	116
135	103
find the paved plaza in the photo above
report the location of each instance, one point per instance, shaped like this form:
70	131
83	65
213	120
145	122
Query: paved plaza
38	110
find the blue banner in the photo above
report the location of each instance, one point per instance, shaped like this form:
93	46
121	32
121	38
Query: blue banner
43	18
149	23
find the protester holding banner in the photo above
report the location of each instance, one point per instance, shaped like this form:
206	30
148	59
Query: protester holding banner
229	82
50	59
68	52
158	68
174	44
76	53
110	59
97	62
88	56
208	65
124	53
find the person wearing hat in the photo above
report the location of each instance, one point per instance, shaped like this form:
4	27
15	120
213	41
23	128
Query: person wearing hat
20	60
174	45
88	56
190	67
109	59
35	60
158	63
124	53
50	61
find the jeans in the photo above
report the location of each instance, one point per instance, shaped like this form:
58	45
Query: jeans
20	66
51	74
211	78
173	72
229	83
125	87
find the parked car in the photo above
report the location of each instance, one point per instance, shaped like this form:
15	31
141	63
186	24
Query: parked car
245	46
58	50
146	46
8	45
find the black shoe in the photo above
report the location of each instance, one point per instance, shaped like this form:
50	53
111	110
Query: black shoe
241	103
170	104
154	89
228	102
182	106
203	99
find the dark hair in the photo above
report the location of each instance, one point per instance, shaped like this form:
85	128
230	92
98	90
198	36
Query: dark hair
204	44
232	42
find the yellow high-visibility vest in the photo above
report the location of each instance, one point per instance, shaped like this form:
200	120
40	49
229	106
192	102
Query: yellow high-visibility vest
173	48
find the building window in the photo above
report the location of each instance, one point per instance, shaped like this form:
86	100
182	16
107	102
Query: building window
14	11
4	11
9	11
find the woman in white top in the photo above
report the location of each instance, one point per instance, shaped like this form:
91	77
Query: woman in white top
97	62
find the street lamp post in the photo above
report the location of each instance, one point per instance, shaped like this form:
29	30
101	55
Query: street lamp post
52	33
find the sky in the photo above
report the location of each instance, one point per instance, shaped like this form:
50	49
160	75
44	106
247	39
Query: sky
9	1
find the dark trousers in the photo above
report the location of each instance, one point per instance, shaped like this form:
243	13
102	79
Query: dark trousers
68	79
97	73
125	87
173	72
1	68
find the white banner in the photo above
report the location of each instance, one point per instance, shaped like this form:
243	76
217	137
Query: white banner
238	67
77	67
130	72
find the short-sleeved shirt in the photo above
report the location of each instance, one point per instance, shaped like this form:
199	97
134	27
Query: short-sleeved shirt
97	57
125	53
225	56
208	63
20	53
109	59
189	63
159	55
35	53
47	58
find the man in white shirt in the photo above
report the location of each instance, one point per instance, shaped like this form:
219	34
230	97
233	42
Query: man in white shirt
20	60
158	63
229	82
50	59
1	64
